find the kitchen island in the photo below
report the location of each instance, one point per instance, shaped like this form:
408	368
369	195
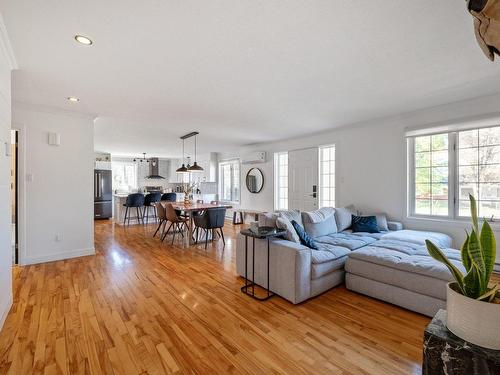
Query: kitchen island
119	207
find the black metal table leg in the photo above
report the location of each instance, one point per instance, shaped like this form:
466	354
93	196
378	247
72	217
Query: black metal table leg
252	284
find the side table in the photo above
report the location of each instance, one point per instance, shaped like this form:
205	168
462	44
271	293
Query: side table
445	353
260	233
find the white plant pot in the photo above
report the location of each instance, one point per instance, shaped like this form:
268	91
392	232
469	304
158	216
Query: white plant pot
474	321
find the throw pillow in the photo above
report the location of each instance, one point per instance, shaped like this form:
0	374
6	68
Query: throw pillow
304	237
364	224
291	215
343	217
291	234
320	222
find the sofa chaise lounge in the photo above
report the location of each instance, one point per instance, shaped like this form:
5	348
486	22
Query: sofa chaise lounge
392	265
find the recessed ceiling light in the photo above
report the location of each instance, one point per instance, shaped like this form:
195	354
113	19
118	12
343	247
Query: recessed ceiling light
73	99
83	40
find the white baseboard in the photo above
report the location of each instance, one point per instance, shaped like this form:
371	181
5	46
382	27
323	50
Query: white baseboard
58	256
4	311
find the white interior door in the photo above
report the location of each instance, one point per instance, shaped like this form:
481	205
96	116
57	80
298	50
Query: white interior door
303	179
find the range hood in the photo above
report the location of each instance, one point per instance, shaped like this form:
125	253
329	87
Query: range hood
153	170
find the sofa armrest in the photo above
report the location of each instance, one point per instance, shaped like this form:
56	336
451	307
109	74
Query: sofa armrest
289	266
394	225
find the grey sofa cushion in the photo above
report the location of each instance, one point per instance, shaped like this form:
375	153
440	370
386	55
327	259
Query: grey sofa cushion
343	217
347	240
292	215
404	265
327	252
282	222
320	222
321	269
418	237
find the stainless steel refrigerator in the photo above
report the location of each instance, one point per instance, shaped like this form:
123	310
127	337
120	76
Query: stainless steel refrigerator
103	194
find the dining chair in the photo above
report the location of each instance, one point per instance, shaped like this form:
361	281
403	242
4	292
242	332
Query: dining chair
169	197
176	221
133	200
214	202
149	202
211	219
162	218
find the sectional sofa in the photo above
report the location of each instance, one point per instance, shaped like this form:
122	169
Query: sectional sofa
392	265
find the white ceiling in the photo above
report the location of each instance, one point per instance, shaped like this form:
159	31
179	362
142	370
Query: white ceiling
241	72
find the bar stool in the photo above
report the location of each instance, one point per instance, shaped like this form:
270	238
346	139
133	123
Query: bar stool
149	202
134	200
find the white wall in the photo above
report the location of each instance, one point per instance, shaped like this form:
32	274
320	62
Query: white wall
57	183
371	162
7	63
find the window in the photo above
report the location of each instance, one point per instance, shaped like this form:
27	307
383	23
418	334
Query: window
124	175
479	171
229	181
327	176
431	175
281	181
445	168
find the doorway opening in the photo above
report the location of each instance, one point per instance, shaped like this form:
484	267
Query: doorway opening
14	190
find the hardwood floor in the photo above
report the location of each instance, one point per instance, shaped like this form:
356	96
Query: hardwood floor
140	306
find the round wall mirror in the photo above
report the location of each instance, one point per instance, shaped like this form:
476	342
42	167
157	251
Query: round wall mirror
255	180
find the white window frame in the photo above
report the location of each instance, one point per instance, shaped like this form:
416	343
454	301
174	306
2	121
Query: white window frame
334	164
237	198
277	179
453	175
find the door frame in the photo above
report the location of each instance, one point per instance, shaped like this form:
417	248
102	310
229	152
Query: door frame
21	192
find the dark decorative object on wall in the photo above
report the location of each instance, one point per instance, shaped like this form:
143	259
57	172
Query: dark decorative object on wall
254	180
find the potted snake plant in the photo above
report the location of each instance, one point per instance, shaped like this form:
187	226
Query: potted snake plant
472	303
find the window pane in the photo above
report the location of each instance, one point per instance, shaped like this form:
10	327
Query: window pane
468	139
489	173
465	189
422	191
489	155
489	192
439	142
281	181
489	208
423	207
468	156
440	174
489	136
422	175
327	177
440	207
422	143
422	159
467	174
440	158
440	191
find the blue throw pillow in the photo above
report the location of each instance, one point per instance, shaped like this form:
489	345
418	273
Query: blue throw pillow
304	237
364	224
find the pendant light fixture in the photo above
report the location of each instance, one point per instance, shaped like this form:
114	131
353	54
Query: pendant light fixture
182	169
189	168
195	167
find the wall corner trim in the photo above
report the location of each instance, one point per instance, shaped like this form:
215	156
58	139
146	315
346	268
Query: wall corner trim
51	257
5	45
4	311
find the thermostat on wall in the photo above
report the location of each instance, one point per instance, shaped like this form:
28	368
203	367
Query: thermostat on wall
54	139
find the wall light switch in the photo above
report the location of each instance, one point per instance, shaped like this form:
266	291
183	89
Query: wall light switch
54	139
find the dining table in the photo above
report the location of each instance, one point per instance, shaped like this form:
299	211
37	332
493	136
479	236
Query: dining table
189	209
